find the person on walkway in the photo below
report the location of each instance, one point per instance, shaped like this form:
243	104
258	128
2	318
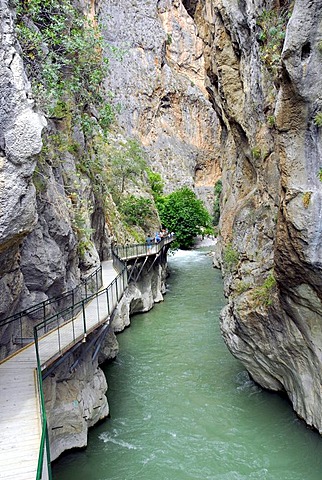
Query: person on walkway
149	241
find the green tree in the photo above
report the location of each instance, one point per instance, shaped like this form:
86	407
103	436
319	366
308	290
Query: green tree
127	165
182	213
156	184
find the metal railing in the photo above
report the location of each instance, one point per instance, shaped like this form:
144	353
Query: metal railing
79	314
126	252
43	465
67	334
74	323
16	331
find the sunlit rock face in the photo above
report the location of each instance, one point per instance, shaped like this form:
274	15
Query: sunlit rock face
271	205
20	140
38	244
158	79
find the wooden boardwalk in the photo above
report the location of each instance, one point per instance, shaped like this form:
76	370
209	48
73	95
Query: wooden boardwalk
20	421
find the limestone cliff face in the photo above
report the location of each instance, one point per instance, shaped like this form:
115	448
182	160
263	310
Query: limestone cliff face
55	223
39	254
158	80
271	205
20	140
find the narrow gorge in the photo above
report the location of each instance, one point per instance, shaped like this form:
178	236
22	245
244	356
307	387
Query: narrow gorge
194	91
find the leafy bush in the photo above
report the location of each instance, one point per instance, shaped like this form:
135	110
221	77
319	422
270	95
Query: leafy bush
263	295
318	119
135	210
62	53
256	153
271	37
230	257
156	184
271	121
182	213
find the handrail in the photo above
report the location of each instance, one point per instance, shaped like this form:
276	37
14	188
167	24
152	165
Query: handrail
43	468
107	301
126	252
62	326
20	321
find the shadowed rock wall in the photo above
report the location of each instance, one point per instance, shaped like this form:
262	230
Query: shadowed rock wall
267	93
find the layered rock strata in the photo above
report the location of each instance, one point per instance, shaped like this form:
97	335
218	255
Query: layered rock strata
158	80
267	94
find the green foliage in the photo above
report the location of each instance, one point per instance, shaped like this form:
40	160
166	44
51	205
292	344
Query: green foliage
135	210
216	208
318	119
169	39
263	295
271	121
80	226
242	287
39	180
156	184
256	153
307	199
320	174
230	257
181	212
272	25
127	165
62	52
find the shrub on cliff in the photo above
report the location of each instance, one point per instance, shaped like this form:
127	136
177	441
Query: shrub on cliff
181	212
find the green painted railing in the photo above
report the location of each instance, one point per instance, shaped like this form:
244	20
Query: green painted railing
43	465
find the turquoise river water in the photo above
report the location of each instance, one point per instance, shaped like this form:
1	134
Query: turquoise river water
182	408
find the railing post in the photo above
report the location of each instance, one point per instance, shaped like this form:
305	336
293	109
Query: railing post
98	308
58	333
84	316
108	302
20	326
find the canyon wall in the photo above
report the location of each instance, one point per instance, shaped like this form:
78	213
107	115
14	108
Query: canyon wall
264	64
158	80
257	64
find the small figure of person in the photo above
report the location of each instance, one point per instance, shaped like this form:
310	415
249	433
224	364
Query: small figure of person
149	241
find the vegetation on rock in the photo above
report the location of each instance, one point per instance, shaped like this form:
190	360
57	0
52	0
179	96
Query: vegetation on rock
272	25
263	295
230	257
